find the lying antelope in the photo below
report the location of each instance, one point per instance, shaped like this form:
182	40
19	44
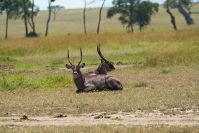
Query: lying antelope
88	83
105	66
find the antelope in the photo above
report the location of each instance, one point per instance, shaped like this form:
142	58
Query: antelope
89	83
105	66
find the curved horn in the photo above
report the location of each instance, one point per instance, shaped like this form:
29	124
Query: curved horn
100	53
68	58
80	57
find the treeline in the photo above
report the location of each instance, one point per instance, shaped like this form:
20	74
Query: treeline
131	13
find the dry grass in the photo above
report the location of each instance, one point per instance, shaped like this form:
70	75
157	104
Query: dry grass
177	89
70	22
177	51
100	129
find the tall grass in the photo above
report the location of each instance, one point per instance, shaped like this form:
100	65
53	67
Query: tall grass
150	48
178	54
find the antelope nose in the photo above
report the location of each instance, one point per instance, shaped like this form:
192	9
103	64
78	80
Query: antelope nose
75	73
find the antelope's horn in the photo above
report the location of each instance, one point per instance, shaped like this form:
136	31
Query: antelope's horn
100	53
68	58
80	56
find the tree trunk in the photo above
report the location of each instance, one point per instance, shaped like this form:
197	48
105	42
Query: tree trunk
6	32
25	18
84	17
129	28
49	17
32	17
100	16
173	21
54	13
26	25
30	23
187	16
140	27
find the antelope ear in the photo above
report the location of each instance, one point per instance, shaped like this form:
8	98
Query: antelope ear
82	65
68	66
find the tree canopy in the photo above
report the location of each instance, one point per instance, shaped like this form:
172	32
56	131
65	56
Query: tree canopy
11	7
133	12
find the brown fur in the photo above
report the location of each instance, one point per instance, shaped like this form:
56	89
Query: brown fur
92	82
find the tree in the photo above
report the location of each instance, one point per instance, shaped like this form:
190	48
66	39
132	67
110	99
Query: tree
100	16
167	6
27	11
55	9
144	10
133	12
84	14
33	12
6	6
25	5
84	17
126	11
49	16
10	7
184	7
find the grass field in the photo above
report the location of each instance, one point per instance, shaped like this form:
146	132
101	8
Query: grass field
159	69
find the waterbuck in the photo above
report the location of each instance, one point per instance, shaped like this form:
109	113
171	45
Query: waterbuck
105	66
95	82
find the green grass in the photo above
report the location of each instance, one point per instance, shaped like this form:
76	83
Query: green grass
33	80
6	59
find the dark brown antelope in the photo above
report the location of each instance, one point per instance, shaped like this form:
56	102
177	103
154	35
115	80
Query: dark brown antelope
105	66
88	83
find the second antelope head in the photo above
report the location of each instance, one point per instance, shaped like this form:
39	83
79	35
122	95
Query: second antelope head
105	66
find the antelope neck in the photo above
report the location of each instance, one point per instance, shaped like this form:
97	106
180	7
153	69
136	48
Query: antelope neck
79	82
100	70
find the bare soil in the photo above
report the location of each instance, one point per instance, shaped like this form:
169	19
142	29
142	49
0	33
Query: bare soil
121	118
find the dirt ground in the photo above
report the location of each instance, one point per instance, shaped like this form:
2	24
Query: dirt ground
120	118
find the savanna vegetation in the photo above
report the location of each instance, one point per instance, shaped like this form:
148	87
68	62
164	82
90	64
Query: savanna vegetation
39	64
159	68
